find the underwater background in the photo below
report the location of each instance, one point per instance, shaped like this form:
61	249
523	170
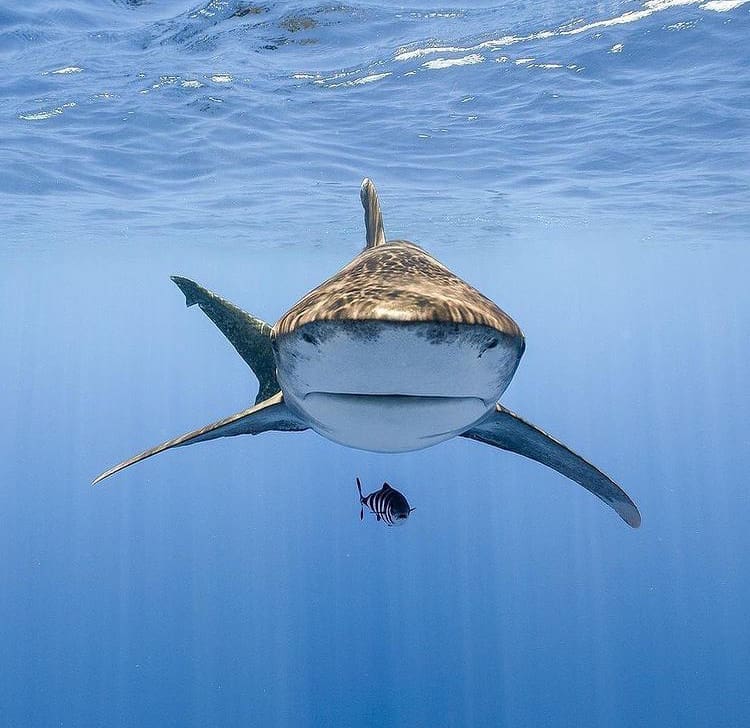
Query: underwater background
585	165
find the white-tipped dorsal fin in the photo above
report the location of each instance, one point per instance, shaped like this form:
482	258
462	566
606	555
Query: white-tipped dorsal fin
373	217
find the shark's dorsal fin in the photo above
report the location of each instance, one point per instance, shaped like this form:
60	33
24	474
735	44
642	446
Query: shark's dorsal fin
373	217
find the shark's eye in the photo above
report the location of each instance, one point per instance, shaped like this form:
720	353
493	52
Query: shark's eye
491	344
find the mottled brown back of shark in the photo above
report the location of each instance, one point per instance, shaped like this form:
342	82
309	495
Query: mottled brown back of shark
373	216
396	281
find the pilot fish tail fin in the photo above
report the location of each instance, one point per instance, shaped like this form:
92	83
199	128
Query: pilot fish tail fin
361	501
250	336
273	414
373	216
508	431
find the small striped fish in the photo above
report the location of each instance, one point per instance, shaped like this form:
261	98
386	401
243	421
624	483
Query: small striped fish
387	504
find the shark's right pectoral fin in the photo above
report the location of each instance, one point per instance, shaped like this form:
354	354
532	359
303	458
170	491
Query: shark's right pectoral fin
508	431
250	336
272	414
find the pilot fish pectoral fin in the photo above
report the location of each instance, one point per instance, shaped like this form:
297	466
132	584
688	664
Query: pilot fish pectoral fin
272	414
508	431
250	336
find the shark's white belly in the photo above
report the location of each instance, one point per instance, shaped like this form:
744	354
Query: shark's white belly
392	387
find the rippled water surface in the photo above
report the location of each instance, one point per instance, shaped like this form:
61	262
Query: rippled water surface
207	116
586	166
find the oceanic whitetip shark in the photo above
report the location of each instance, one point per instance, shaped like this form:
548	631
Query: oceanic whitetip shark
393	353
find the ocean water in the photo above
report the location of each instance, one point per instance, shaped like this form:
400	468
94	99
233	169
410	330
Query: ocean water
585	165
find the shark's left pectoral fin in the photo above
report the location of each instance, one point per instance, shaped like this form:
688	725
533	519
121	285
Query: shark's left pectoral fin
271	414
508	431
250	336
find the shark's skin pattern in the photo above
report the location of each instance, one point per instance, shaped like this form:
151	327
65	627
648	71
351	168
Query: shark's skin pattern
396	281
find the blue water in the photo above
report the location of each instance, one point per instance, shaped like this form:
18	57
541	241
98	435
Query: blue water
587	166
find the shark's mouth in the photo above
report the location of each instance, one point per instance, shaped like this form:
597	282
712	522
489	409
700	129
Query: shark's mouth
390	395
391	422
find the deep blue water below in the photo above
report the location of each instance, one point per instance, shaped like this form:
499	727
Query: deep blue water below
586	166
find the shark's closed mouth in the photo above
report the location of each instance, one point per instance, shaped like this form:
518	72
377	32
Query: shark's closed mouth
398	398
368	421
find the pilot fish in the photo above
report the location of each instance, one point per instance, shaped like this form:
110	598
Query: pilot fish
387	504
